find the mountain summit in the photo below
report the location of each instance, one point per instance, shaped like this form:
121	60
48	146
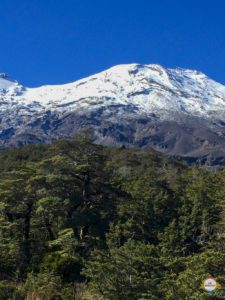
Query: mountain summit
177	111
148	87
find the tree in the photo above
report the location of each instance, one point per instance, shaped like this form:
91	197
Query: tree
132	271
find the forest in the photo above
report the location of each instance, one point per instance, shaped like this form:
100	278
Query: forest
86	222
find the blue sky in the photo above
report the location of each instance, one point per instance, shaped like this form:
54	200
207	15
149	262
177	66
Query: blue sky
58	41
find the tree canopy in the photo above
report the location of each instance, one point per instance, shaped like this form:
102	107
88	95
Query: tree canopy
82	221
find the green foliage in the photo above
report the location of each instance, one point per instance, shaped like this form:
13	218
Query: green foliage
80	221
132	271
46	286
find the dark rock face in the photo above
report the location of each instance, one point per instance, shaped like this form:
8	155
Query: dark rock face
191	138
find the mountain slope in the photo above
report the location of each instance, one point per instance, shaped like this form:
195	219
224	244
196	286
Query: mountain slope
176	111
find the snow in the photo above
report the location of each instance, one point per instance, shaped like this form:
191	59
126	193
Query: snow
6	83
150	88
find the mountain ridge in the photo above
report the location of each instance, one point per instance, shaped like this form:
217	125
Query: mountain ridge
179	112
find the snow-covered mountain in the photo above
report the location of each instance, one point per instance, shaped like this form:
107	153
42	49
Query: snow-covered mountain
177	111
